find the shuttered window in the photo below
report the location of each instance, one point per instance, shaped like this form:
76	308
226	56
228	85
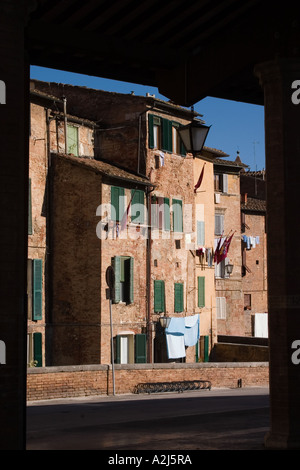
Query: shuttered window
160	213
201	291
166	135
159	296
140	348
72	136
177	215
221	308
200	233
124	279
117	203
219	224
137	207
37	349
178	297
37	289
160	133
166	213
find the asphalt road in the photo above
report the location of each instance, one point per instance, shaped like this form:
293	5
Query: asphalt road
219	419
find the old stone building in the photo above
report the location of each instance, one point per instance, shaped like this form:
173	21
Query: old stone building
229	292
120	191
254	252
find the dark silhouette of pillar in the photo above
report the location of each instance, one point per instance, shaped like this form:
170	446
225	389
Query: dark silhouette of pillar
14	130
278	79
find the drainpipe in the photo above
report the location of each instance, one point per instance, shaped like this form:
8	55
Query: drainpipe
66	121
148	281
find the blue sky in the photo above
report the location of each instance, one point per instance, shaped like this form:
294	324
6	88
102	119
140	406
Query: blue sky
235	126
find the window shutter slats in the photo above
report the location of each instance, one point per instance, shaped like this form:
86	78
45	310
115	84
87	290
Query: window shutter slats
37	349
151	133
37	289
159	296
140	348
166	213
177	215
137	207
29	208
116	263
201	291
178	297
131	280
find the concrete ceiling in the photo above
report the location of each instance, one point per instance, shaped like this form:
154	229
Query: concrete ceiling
188	50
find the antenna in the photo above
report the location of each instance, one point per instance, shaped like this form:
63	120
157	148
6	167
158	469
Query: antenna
254	152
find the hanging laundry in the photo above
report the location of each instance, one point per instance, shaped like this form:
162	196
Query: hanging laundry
162	158
191	335
175	338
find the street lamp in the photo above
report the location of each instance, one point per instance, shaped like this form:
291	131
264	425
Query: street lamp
229	268
193	136
164	321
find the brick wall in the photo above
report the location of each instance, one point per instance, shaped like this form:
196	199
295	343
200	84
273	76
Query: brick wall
63	382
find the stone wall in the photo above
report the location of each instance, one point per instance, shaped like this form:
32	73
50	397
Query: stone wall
64	382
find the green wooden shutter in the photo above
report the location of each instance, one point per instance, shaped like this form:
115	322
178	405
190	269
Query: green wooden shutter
178	297
166	213
151	133
159	296
137	207
29	209
201	291
140	348
118	350
118	203
72	133
37	349
206	348
37	289
177	215
182	149
154	215
200	233
116	264
167	135
131	280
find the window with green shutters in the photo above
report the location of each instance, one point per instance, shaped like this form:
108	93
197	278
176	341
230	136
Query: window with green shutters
117	199
29	209
140	348
37	349
201	291
178	297
72	139
160	213
159	296
37	289
124	279
137	207
166	135
177	215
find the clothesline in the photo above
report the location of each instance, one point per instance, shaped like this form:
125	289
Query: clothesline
250	241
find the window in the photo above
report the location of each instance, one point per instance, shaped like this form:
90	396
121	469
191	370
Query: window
159	296
130	348
72	139
177	215
163	135
178	297
117	203
124	279
137	207
201	291
221	308
220	269
221	182
35	289
247	301
34	350
219	224
160	213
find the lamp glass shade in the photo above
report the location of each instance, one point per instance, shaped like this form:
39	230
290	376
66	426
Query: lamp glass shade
193	136
164	322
